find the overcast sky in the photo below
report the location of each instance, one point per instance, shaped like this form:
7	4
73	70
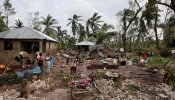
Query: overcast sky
64	9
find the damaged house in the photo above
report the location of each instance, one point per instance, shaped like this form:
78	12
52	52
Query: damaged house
23	39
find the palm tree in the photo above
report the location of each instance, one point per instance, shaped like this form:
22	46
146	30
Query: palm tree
18	24
74	22
61	36
170	31
102	34
59	31
150	15
127	16
68	41
106	27
48	22
82	33
94	23
87	26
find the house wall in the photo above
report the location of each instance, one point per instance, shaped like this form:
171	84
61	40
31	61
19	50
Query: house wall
16	45
51	46
8	55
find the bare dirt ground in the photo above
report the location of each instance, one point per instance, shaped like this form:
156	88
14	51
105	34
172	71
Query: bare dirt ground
150	85
61	92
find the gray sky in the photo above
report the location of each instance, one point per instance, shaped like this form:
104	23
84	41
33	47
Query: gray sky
64	9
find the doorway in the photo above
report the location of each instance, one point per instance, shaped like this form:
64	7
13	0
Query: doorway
29	46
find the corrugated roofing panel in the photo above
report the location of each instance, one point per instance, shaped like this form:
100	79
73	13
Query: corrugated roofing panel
85	43
25	33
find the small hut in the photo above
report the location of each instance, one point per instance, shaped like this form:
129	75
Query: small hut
84	45
23	39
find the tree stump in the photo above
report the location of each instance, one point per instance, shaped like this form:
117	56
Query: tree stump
24	89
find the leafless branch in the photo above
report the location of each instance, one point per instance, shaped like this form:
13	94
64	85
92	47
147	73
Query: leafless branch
165	4
137	3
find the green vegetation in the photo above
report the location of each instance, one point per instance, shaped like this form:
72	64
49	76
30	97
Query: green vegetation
133	89
117	84
48	22
168	65
169	76
136	32
157	61
99	75
63	78
10	79
18	23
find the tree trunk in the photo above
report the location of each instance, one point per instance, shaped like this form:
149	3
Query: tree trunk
124	42
138	41
130	43
155	29
7	20
127	27
166	29
124	34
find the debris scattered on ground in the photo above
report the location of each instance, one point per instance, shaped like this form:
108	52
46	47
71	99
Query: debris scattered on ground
131	83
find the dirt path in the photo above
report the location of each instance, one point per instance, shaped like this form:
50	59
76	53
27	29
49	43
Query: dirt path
143	74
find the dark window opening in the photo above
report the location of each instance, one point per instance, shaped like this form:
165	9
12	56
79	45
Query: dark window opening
173	43
44	46
29	46
8	45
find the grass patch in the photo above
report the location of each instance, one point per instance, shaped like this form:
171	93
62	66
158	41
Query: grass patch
133	88
157	61
10	79
99	75
169	77
62	77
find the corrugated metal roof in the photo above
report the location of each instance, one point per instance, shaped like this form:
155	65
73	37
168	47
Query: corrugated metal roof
85	43
25	33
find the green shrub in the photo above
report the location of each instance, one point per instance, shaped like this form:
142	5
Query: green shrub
99	75
62	77
133	88
10	79
169	76
157	61
164	52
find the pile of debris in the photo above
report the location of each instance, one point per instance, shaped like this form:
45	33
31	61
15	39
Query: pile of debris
133	90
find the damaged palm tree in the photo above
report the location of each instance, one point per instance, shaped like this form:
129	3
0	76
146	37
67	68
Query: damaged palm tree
128	16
